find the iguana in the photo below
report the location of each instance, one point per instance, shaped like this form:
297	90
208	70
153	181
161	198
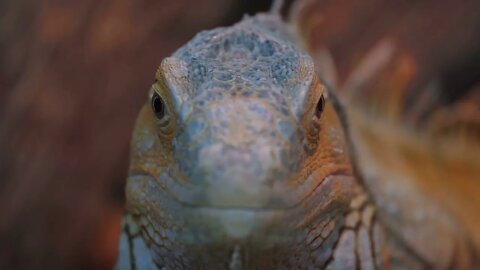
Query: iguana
239	160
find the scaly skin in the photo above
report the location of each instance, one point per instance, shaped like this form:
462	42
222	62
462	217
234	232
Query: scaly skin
245	169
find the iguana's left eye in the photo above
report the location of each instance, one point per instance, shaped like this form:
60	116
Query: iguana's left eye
158	106
320	107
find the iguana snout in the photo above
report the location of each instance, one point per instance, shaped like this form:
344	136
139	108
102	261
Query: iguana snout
238	153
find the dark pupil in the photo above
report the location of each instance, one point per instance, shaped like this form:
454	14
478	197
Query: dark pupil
320	106
158	106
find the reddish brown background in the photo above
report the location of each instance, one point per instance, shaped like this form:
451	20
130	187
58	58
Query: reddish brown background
73	75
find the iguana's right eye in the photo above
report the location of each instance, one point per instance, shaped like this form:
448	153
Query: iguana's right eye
158	106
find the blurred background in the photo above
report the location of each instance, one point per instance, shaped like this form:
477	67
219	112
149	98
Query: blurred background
73	75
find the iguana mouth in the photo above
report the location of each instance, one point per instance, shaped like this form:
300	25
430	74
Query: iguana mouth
199	197
284	197
258	226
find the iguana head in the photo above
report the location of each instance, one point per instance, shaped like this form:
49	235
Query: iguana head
235	139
